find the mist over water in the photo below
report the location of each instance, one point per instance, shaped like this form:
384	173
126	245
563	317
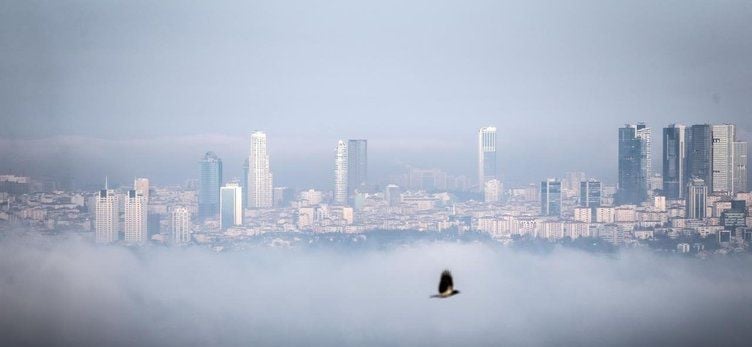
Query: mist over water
66	291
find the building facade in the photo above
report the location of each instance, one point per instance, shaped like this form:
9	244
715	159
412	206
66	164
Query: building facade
723	157
634	164
260	182
340	173
135	222
700	153
357	165
697	193
674	161
486	155
180	226
550	193
208	185
107	220
231	206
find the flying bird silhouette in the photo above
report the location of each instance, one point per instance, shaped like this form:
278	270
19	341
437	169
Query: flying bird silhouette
446	286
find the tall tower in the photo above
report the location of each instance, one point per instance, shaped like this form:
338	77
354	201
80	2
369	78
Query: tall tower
697	192
740	167
551	197
230	206
134	226
634	163
700	153
486	155
107	216
357	165
723	157
180	225
260	194
208	185
244	182
674	161
340	173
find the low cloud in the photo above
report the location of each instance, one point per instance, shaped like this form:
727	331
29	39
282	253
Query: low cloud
65	291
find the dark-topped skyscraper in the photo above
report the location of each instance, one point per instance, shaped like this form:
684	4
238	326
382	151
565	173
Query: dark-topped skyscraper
209	182
700	153
674	161
634	164
550	193
357	165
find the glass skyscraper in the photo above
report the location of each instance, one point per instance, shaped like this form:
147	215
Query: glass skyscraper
550	193
357	165
674	161
634	164
700	153
208	185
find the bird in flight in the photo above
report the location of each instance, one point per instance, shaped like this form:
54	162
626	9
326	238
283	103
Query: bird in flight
446	286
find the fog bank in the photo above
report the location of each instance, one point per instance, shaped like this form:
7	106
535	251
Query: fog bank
64	291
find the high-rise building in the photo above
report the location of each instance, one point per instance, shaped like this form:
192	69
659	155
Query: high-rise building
674	161
244	183
486	155
141	185
590	193
135	225
260	180
634	164
700	153
492	191
230	205
107	216
550	193
180	225
740	167
723	157
208	185
357	166
340	173
697	192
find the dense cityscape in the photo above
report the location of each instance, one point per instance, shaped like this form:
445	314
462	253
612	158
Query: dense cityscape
698	203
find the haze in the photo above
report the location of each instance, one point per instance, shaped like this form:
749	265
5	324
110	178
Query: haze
95	88
64	291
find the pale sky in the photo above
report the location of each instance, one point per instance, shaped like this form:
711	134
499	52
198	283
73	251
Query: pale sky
141	88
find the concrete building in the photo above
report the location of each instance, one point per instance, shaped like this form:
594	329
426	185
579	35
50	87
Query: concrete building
135	221
260	180
340	173
231	206
107	221
486	155
180	225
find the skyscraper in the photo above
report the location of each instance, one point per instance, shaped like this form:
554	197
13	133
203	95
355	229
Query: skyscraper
550	193
700	153
244	182
180	225
590	193
392	195
697	192
740	167
723	157
674	161
260	194
134	225
230	206
208	185
107	216
357	165
486	155
340	173
634	163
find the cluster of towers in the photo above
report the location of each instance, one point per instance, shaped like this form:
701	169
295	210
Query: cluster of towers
125	216
697	160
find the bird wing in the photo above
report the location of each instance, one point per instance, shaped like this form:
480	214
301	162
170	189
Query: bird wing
445	284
